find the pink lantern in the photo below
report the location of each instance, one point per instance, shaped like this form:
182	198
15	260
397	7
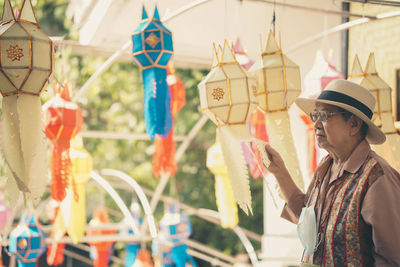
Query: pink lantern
4	212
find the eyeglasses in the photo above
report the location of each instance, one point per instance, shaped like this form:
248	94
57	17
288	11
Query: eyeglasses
323	115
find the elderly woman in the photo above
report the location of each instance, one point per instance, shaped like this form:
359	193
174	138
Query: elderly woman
350	215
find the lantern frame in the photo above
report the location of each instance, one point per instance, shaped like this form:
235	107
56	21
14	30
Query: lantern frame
27	22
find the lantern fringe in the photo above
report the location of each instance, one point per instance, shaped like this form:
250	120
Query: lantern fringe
236	167
60	170
164	155
23	143
157	102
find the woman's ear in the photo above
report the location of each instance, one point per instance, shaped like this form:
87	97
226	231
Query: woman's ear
355	124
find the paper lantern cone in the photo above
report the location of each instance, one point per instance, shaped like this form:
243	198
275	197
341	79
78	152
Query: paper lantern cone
63	120
279	84
26	64
74	208
100	250
132	248
383	116
27	241
152	49
223	190
227	97
176	227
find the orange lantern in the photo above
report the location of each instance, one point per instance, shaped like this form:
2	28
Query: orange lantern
63	120
100	250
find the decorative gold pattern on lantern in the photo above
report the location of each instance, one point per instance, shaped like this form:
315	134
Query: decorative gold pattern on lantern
152	40
218	94
15	53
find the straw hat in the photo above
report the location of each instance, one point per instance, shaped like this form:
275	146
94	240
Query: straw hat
351	97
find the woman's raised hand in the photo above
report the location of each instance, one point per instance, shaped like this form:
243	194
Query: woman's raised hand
277	165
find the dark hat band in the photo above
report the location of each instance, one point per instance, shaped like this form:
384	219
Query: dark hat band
345	99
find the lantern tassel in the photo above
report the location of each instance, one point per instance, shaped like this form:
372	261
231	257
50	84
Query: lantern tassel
280	136
77	216
164	156
11	142
236	167
23	143
157	102
33	144
60	165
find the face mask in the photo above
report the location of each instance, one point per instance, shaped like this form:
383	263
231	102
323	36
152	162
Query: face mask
307	230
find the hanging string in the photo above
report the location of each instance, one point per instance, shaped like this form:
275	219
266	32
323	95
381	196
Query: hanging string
273	21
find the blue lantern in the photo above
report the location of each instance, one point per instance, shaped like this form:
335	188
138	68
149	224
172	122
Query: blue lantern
132	248
27	241
152	49
177	229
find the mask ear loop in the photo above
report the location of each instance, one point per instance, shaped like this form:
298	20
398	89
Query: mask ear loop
266	163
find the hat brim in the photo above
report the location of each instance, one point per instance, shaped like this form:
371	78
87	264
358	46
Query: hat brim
374	134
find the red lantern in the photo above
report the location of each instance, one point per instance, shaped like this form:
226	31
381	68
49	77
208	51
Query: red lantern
63	120
101	250
256	124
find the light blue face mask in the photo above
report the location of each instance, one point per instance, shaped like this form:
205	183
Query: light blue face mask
307	230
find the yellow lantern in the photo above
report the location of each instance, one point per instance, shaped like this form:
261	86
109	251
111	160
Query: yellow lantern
26	56
223	189
227	97
279	83
73	207
383	116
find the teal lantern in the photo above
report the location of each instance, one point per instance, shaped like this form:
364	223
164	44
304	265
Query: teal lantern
152	50
27	241
176	228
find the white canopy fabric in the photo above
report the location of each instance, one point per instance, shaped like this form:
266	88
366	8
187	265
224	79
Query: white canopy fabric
109	24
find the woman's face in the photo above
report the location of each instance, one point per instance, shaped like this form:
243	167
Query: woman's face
331	131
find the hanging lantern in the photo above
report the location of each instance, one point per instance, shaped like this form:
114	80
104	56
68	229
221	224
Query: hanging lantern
26	64
227	97
176	227
132	248
74	208
100	251
27	241
223	190
63	120
152	49
279	84
5	212
383	115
